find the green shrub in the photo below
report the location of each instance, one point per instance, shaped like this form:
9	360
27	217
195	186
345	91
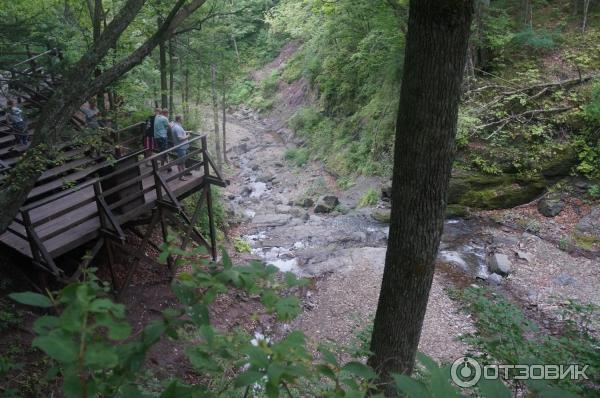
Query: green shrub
592	110
270	84
305	119
536	40
369	198
241	92
241	246
297	156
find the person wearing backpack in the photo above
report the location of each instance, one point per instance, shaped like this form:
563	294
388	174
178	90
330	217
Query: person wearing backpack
149	143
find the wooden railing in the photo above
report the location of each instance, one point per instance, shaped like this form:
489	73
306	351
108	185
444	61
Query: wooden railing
133	188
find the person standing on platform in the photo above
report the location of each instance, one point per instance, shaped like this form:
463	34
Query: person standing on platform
149	144
161	134
17	121
180	137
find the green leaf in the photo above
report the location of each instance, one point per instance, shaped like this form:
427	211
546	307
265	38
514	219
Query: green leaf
410	387
493	389
58	345
101	356
360	370
33	299
248	378
287	308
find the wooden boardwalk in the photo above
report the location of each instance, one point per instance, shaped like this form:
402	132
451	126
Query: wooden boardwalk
123	192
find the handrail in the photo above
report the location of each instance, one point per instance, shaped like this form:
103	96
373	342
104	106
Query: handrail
75	188
114	173
53	51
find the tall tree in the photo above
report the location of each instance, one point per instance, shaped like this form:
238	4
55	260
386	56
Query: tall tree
436	44
78	85
215	103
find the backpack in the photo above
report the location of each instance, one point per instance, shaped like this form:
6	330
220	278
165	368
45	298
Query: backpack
149	127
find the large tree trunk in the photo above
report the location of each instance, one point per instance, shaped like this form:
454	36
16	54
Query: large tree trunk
77	88
436	44
215	102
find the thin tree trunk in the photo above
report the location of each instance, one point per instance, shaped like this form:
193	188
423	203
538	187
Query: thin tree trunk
164	100
436	44
224	121
171	78
215	101
586	6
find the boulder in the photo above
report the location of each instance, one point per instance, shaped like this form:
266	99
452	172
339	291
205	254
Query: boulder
551	205
494	279
590	224
382	215
500	264
493	192
386	192
246	191
326	204
524	256
305	202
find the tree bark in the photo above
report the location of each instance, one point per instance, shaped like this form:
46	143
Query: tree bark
215	101
436	44
224	121
78	86
171	77
586	6
164	100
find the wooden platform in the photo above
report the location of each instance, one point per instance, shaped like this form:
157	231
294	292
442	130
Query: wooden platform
118	194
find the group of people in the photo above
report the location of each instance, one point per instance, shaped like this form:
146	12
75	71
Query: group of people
17	122
158	128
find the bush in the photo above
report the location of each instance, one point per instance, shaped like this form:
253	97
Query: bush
241	92
369	198
297	156
304	120
241	246
540	40
270	84
592	110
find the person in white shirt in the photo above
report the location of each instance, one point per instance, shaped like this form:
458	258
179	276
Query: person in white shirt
180	136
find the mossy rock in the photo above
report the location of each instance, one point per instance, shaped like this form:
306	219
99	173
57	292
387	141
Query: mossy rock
560	163
493	192
382	215
457	211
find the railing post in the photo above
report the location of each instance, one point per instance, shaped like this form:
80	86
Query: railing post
156	179
97	193
27	223
209	207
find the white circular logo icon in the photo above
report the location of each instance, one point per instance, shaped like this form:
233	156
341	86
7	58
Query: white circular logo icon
465	372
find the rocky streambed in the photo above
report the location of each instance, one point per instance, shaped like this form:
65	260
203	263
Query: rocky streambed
297	219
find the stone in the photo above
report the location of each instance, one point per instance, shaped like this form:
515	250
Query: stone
386	192
551	205
271	220
283	209
326	204
524	256
278	164
305	202
590	224
494	279
564	280
265	178
241	149
246	191
499	263
255	167
382	215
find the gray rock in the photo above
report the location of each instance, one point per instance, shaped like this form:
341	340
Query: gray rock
386	192
271	220
494	279
246	191
305	217
265	178
524	256
551	205
283	209
241	149
499	263
564	280
382	215
326	204
255	167
278	164
305	202
590	224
